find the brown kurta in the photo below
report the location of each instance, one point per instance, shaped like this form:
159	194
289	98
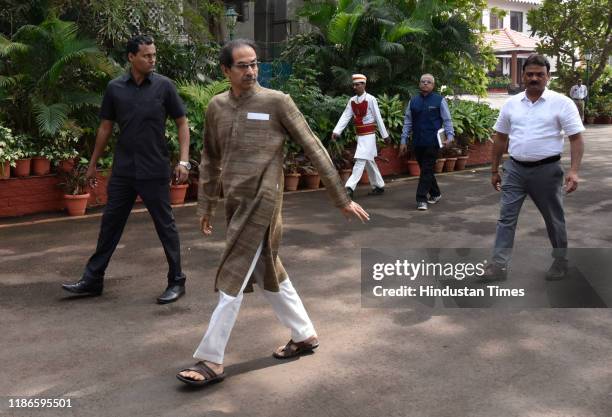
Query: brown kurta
243	153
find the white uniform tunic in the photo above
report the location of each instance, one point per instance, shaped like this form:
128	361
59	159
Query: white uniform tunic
366	144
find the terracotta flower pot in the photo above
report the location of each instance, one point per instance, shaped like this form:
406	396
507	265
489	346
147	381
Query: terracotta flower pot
449	164
461	161
364	178
41	165
311	181
177	193
22	167
66	165
345	174
439	166
76	204
291	182
413	168
5	170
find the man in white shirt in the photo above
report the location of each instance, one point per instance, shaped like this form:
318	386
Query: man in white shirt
578	93
534	122
363	109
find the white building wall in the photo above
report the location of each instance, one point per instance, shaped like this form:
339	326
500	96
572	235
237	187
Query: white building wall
508	6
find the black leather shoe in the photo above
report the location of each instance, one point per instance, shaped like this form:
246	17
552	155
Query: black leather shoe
557	271
493	273
85	287
172	293
349	191
377	191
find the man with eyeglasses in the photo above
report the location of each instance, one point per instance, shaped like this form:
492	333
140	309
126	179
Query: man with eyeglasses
246	129
426	113
363	109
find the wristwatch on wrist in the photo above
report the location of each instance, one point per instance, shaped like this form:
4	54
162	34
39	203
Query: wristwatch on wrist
186	164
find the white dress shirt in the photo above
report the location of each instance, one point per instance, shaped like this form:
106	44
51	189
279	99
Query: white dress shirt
536	130
578	92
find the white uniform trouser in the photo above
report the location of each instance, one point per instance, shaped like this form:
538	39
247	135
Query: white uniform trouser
286	304
373	174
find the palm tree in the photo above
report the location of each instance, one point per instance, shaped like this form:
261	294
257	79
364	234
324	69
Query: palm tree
48	74
392	41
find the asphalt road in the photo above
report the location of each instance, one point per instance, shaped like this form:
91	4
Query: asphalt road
117	355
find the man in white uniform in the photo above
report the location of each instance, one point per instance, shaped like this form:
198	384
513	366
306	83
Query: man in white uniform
363	109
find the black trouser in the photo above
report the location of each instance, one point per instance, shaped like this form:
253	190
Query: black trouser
426	157
122	192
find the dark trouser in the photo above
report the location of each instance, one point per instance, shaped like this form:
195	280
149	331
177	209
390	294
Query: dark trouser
544	184
122	192
426	157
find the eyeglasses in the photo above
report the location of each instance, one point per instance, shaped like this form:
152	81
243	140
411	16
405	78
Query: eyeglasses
356	84
426	82
244	67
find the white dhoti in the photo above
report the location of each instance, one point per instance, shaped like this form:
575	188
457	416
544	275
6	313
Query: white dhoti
286	305
364	158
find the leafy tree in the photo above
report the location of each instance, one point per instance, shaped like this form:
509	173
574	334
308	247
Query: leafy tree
569	28
186	48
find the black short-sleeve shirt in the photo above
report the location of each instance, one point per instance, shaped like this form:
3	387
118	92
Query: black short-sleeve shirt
141	111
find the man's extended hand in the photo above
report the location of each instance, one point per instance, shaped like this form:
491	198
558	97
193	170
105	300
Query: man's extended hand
205	225
354	209
571	182
180	174
496	181
335	136
92	179
403	149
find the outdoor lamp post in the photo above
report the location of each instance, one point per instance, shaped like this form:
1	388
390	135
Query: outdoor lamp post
587	58
231	17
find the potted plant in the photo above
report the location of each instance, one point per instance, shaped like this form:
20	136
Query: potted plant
341	158
41	157
178	192
76	189
590	113
439	166
291	170
413	165
450	154
308	173
8	152
462	157
62	147
24	155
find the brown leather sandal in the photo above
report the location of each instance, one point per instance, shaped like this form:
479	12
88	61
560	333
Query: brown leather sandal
293	349
209	375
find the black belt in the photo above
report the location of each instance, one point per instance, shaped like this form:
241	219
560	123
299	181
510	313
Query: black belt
544	161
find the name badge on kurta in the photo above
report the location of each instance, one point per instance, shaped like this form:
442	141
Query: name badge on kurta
258	116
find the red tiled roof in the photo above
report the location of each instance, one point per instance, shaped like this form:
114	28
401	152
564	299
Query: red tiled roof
510	40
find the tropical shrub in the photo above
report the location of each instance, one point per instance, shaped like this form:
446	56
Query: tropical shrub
50	76
392	111
473	122
499	82
393	43
9	151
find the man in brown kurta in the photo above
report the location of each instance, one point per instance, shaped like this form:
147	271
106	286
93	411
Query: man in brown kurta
246	129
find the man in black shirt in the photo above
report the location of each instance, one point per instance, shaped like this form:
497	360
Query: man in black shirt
139	102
